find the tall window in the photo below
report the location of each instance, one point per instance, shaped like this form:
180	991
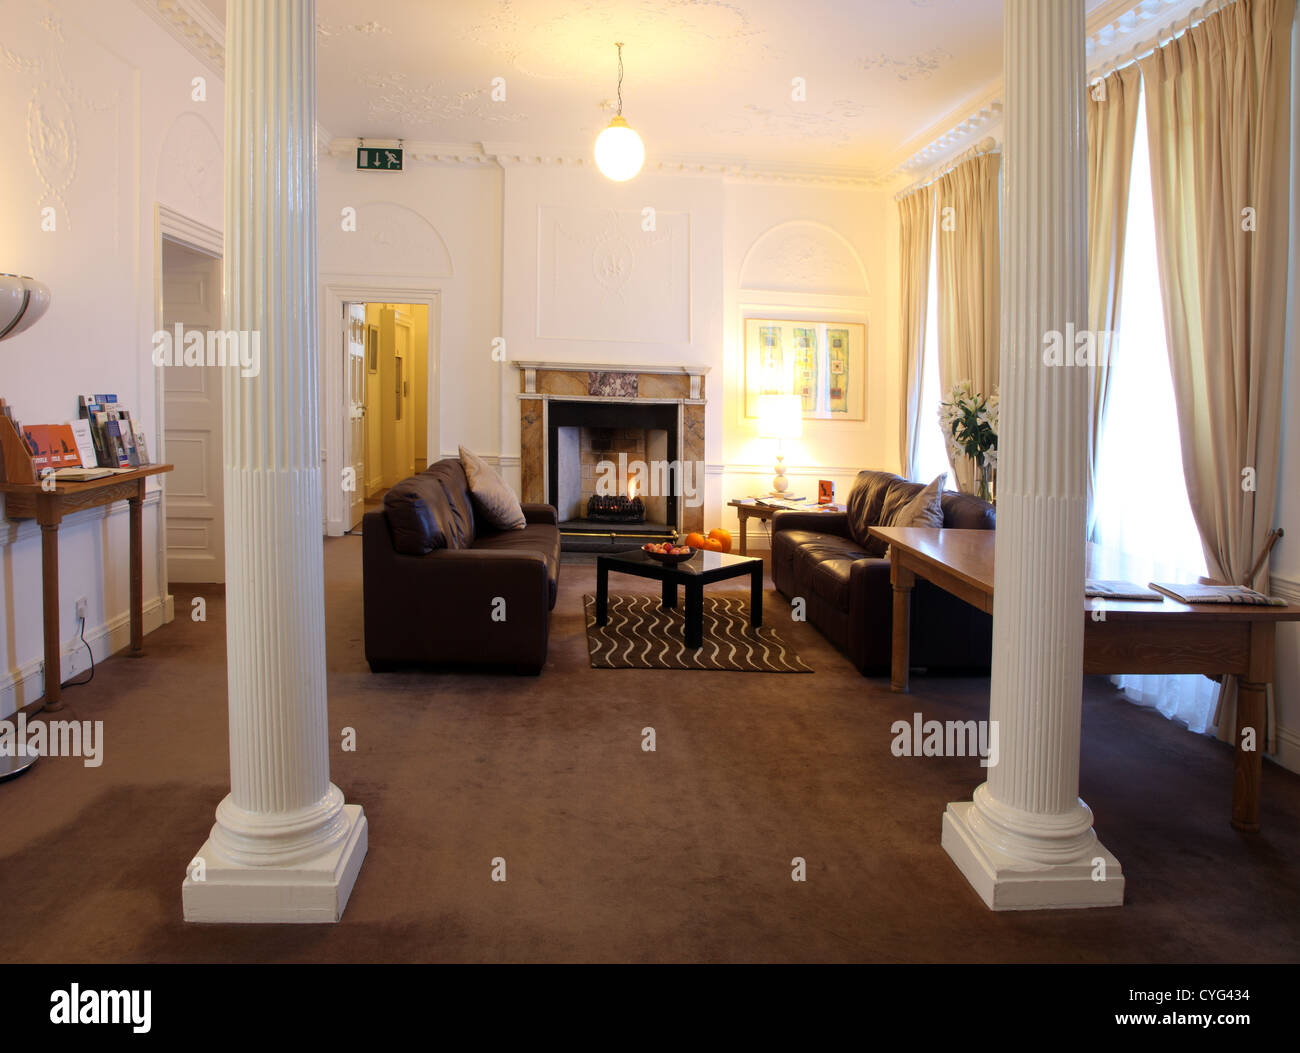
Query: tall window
1141	500
931	447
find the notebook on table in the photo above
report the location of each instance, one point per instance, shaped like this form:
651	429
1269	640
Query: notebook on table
1119	590
1237	595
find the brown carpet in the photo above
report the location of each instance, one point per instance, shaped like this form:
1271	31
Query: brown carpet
640	634
615	854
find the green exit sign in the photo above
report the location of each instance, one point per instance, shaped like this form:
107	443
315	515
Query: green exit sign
381	159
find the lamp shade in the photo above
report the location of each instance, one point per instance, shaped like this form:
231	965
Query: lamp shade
780	416
619	151
22	301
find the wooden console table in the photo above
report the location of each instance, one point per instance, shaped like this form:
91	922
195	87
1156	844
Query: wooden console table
747	510
1133	637
48	507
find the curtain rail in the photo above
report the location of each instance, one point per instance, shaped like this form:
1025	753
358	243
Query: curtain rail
1162	36
987	145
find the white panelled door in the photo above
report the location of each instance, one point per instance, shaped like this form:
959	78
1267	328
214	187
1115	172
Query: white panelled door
354	339
192	423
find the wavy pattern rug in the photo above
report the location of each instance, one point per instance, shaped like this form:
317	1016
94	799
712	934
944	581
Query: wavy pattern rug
642	635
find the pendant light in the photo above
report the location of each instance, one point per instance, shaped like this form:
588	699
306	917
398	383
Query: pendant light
619	151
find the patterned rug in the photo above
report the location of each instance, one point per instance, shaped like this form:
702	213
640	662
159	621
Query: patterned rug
641	635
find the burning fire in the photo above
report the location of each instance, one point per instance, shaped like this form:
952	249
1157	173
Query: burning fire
631	489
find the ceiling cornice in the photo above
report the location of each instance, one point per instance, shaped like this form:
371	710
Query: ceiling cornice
513	155
1111	28
195	26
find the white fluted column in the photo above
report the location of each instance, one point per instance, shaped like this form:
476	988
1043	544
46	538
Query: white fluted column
285	847
1026	840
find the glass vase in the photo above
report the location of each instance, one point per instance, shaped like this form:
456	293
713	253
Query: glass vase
985	477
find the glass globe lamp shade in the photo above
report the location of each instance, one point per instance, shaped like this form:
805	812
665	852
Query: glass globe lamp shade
619	151
22	302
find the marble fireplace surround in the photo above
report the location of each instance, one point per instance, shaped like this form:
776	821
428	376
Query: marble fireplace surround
540	383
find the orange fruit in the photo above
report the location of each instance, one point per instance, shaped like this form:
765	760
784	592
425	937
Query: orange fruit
723	537
694	540
712	544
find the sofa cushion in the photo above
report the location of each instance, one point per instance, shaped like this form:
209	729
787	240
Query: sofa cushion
825	563
924	509
495	501
901	492
459	524
416	509
542	538
864	505
968	512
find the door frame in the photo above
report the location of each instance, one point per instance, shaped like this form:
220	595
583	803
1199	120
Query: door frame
174	226
335	292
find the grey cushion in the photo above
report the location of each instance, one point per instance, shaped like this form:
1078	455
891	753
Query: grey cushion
924	509
494	501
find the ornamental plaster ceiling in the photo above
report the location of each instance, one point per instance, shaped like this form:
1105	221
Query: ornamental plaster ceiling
704	79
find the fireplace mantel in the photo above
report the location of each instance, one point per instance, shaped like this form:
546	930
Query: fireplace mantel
577	373
542	382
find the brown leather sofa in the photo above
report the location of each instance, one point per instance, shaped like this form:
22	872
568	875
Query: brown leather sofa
441	588
829	559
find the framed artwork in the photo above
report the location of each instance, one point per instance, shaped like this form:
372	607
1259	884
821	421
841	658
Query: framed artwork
824	363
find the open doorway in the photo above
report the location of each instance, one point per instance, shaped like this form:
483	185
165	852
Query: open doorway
387	346
191	399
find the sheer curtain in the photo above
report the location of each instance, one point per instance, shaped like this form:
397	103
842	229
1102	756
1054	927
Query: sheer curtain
931	449
1142	507
915	263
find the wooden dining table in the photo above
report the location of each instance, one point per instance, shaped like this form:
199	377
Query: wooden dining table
1119	636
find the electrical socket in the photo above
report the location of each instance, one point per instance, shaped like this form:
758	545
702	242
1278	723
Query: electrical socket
82	604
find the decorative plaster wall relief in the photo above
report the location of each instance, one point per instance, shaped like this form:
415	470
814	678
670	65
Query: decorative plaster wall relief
600	276
802	256
190	169
57	105
391	240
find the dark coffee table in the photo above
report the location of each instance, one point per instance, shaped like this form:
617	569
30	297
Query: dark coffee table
703	568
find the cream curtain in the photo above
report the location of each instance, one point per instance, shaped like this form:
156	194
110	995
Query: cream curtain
915	227
966	206
1112	108
1218	114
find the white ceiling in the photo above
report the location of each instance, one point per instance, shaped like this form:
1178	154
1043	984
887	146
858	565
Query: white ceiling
703	78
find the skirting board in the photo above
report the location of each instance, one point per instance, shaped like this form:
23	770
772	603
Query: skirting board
22	686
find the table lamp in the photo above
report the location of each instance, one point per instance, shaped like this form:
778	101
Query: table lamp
780	417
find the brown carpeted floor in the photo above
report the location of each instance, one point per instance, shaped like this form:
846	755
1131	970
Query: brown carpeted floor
614	854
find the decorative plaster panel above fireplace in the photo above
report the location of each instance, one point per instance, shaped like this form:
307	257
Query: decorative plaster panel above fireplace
602	276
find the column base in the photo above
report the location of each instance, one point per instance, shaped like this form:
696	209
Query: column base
1005	882
316	890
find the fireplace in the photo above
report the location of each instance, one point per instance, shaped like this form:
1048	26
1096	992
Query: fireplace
611	473
619	434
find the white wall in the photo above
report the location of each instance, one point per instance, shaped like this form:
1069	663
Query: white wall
113	132
432	229
554	258
807	249
660	300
